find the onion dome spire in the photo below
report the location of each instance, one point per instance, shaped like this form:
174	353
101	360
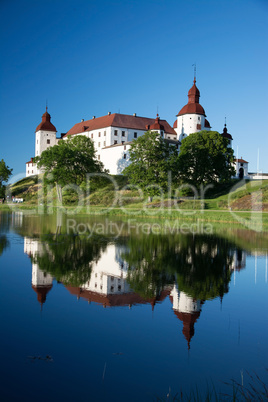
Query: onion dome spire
46	124
193	106
225	132
157	125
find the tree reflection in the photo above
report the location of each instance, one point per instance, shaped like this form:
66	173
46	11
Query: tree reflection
4	243
201	265
69	258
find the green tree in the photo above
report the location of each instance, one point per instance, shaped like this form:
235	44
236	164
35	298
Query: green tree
69	161
205	158
5	173
151	159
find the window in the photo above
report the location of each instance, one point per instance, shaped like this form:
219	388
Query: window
98	144
241	164
37	142
125	156
115	132
99	133
112	288
104	143
112	278
198	118
115	142
98	157
125	147
91	135
135	135
96	275
198	126
100	287
96	285
119	287
123	133
104	133
48	141
32	171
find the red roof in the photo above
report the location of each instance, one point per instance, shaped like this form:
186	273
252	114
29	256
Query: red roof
45	124
118	120
207	124
157	125
31	161
225	134
193	106
241	160
175	124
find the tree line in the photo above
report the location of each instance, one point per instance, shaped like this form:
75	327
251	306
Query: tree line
204	158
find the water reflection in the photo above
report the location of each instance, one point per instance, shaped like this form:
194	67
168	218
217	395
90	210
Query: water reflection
137	270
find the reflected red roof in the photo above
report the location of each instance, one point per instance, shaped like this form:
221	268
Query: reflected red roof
112	300
42	292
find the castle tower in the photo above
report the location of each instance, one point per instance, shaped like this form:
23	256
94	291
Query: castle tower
187	310
191	118
225	134
45	134
45	137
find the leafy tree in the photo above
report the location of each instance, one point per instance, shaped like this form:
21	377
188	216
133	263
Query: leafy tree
151	159
69	161
5	173
205	158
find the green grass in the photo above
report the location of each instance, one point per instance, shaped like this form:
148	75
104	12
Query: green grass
128	202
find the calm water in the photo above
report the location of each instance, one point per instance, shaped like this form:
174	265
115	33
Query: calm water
101	317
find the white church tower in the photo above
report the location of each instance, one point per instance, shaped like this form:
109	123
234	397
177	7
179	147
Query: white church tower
191	118
45	134
45	137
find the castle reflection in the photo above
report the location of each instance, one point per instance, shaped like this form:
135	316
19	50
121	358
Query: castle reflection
132	273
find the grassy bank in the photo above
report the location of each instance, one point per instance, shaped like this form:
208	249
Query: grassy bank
232	203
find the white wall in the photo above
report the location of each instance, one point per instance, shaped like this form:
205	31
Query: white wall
187	124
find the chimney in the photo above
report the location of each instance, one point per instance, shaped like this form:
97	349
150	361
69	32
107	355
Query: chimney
93	117
109	113
134	114
82	120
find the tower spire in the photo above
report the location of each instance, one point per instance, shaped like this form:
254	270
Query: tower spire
194	65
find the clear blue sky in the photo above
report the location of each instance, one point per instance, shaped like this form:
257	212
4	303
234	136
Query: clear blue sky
90	57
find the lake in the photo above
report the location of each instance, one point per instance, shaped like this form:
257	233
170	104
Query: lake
100	310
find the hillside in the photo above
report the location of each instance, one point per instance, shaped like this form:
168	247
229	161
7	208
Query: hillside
250	196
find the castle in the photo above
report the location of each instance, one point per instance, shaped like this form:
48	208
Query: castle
113	134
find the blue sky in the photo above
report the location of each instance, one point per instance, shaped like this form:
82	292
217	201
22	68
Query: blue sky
90	57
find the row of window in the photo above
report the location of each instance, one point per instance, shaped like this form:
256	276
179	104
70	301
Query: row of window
48	141
99	134
111	288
